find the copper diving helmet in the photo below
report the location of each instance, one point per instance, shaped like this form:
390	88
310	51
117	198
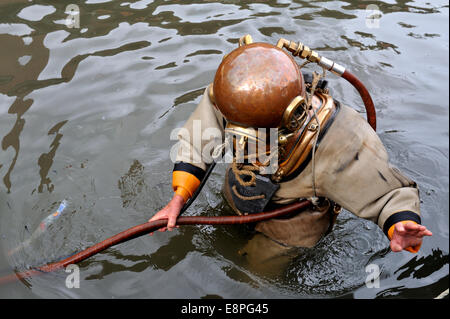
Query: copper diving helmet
258	85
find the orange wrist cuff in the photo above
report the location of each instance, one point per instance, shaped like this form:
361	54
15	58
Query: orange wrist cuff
184	184
413	249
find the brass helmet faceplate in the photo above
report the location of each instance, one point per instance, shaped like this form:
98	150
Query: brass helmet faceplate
255	84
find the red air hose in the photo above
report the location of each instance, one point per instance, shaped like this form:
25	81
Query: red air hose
303	51
149	227
365	95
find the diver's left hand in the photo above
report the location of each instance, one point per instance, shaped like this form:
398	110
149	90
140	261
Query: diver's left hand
408	236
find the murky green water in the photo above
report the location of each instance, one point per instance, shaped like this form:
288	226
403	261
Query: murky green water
86	115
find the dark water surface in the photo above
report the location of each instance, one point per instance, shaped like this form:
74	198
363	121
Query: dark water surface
86	115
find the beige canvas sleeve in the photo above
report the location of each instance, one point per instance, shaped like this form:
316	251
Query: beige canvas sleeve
200	134
352	169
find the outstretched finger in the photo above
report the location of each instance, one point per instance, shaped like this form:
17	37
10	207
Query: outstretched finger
417	230
400	228
425	232
412	226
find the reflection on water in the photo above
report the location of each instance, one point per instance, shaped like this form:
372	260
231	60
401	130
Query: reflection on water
86	114
45	161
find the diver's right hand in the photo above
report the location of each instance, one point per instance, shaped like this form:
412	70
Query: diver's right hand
170	212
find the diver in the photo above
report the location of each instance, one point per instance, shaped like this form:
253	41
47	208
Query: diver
291	140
